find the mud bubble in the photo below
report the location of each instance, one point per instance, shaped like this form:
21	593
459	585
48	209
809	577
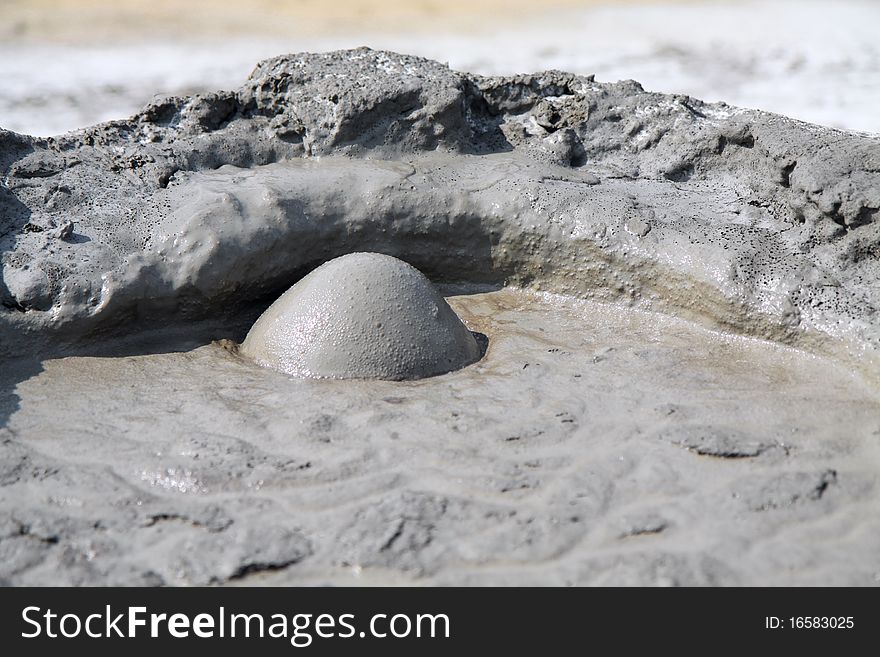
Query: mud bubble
362	316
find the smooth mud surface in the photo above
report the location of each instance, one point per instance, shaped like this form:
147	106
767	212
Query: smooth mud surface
666	454
361	316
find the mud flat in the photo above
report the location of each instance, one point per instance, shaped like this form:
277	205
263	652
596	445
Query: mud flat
681	377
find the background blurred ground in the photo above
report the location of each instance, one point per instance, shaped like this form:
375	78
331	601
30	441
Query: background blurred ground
65	64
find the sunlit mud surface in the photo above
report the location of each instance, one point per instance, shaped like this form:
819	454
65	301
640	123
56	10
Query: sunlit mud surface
590	445
70	66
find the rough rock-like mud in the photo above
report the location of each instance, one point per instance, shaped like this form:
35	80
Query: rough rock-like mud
749	220
152	235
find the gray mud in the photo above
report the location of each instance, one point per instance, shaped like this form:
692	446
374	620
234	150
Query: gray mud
591	445
361	316
712	420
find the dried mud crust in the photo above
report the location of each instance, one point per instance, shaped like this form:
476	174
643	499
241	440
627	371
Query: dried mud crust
742	219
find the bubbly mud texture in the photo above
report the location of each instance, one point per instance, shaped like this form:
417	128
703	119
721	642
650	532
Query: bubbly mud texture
362	316
594	443
590	445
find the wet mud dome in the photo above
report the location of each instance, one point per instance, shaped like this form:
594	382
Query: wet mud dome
362	316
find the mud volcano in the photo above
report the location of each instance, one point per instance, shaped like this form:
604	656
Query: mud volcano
682	300
362	316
